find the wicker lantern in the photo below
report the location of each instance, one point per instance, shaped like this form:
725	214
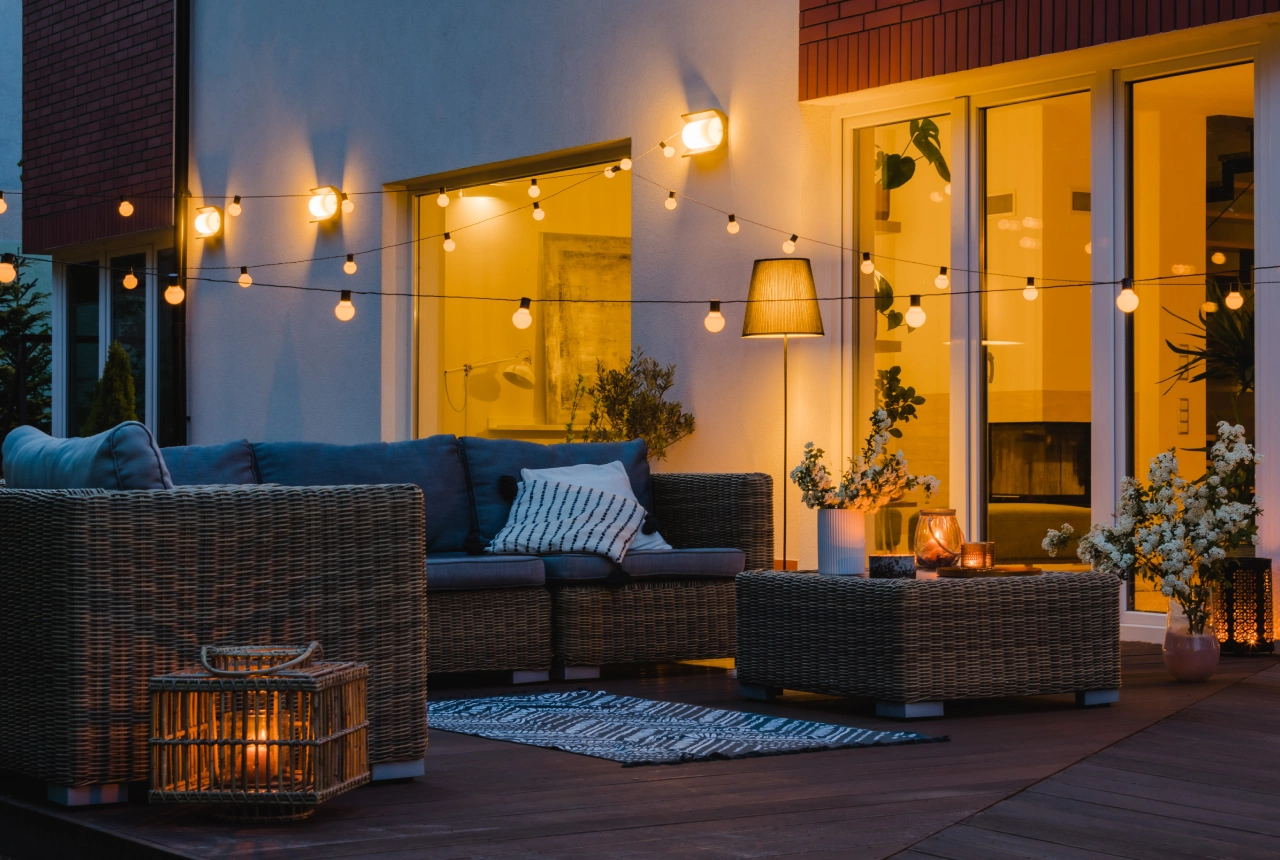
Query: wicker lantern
1242	611
259	733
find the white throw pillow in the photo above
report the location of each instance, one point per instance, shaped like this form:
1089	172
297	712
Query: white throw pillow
611	478
549	517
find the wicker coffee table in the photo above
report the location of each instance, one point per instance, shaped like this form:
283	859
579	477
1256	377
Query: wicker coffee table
913	644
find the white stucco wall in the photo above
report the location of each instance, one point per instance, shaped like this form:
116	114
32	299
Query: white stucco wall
289	95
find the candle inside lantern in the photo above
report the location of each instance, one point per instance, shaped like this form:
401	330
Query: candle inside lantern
259	759
974	555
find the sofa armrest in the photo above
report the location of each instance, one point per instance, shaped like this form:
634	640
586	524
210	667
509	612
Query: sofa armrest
734	510
104	590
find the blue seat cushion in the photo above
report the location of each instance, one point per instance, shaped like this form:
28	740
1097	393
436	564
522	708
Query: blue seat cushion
123	458
195	465
456	571
432	463
638	564
487	460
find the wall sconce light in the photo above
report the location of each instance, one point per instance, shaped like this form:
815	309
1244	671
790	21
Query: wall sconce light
915	314
130	280
324	203
233	208
1127	301
350	265
174	294
344	310
246	279
8	268
208	221
125	208
714	320
1030	292
522	318
704	131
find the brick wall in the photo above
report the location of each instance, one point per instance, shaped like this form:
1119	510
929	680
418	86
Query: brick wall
97	118
850	45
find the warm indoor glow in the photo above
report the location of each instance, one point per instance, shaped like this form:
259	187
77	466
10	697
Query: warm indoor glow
670	202
1218	258
442	199
208	221
703	131
1088	247
732	226
915	314
350	265
1127	301
8	268
522	318
449	244
534	190
867	267
246	279
538	213
942	281
789	246
174	294
323	203
344	310
130	280
714	320
125	208
1234	299
233	209
1030	292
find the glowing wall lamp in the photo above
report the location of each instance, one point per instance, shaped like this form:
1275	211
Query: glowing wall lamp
324	203
208	222
704	131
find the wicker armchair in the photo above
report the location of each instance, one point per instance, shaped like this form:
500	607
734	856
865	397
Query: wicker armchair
103	590
597	623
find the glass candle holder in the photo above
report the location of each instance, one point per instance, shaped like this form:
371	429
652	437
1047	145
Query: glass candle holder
989	550
939	540
974	555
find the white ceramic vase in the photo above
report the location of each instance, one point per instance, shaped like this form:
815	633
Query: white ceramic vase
842	541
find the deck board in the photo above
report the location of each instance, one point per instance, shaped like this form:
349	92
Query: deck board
1020	778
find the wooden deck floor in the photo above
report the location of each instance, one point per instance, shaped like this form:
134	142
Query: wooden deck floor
1172	771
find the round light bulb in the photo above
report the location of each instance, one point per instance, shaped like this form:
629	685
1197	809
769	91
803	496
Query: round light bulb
1088	247
1234	299
8	271
1181	269
668	151
942	281
1030	292
538	214
1218	258
867	266
174	294
350	265
1209	307
449	244
670	202
233	208
348	205
130	280
915	315
246	280
789	246
126	209
534	190
610	171
344	310
522	318
732	226
1127	301
625	164
947	189
714	321
3	205
935	196
442	199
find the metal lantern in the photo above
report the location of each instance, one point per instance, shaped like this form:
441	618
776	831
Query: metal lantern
1242	609
259	733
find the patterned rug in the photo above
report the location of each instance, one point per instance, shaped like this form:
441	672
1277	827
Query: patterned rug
643	731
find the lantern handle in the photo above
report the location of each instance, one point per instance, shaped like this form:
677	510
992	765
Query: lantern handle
244	673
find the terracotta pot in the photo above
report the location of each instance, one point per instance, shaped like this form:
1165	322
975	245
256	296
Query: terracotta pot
1190	657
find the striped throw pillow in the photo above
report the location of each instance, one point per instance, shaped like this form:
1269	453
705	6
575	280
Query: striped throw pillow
549	517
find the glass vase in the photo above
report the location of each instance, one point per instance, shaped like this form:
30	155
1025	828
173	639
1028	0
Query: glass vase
1189	656
938	539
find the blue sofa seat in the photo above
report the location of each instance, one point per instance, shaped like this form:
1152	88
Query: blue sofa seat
457	571
646	564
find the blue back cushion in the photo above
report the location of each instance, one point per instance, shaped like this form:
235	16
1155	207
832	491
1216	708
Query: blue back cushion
123	458
432	463
489	459
195	465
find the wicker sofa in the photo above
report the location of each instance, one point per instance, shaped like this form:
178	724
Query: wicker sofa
103	590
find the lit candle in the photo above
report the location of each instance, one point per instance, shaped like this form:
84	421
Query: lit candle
258	758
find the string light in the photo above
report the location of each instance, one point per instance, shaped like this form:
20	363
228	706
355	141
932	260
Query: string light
1088	248
714	320
125	208
8	268
610	171
3	206
348	205
522	318
130	280
1127	301
350	265
208	221
443	199
1030	292
1234	299
534	190
942	281
1209	307
323	204
344	310
246	280
915	314
538	214
789	246
1218	258
732	226
947	188
867	267
625	164
174	294
668	151
233	208
449	244
670	202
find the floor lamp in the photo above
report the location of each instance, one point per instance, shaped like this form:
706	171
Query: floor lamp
783	302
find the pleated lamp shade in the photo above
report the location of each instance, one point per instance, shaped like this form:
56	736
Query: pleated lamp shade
782	300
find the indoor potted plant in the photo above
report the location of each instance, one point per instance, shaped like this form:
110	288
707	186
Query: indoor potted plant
1177	533
873	479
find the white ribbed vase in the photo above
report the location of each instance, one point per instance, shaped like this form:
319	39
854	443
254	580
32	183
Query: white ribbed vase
842	541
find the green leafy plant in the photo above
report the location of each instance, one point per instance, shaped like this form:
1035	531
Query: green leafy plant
898	402
896	170
1226	353
114	396
24	345
631	403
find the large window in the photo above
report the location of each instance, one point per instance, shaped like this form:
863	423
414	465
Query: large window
83	343
480	374
1192	202
905	224
129	319
1035	322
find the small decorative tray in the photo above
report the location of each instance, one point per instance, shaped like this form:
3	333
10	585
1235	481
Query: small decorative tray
998	570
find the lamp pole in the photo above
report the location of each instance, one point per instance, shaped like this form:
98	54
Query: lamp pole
785	405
